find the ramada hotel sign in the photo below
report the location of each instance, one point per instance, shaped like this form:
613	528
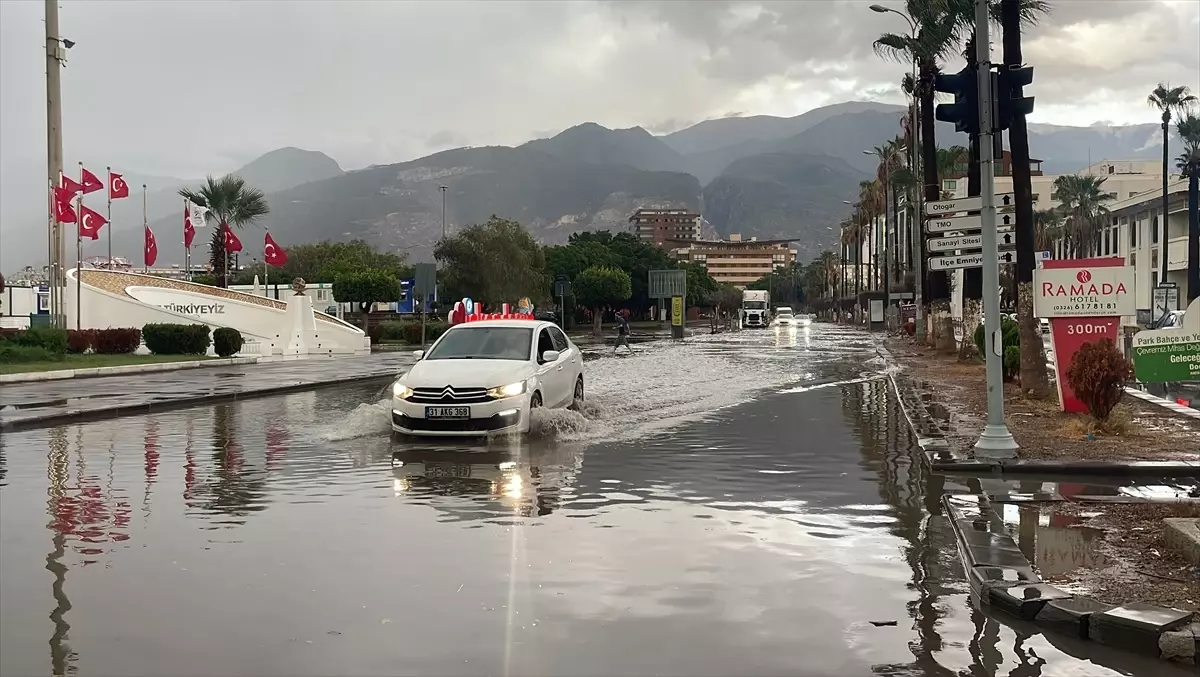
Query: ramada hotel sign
1084	299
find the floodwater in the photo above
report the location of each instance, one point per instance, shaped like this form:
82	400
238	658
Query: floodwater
748	504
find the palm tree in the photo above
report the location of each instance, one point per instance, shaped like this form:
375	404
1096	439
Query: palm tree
950	162
1047	227
1082	201
229	201
1188	164
930	42
1167	100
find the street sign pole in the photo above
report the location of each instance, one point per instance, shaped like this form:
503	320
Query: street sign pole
996	441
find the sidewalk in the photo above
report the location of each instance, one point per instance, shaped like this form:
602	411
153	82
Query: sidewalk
43	403
950	398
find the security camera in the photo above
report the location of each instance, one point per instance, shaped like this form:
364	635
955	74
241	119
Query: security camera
68	43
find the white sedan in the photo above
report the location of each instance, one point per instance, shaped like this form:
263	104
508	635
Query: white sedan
485	377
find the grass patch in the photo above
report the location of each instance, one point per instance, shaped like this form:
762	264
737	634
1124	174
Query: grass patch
92	360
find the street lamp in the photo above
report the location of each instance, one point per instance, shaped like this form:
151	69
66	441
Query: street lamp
443	189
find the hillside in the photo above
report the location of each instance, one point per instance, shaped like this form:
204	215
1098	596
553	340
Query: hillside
398	207
783	195
594	144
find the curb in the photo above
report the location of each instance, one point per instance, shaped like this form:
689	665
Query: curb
1002	577
181	403
90	372
942	458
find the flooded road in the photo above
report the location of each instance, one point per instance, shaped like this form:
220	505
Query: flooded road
746	504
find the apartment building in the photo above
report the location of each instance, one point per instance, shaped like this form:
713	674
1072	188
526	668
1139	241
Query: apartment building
661	227
1133	234
1123	179
736	261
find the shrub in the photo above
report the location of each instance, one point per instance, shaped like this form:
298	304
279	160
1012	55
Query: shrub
53	340
119	341
226	341
1098	374
1010	335
176	339
10	353
80	340
412	331
388	331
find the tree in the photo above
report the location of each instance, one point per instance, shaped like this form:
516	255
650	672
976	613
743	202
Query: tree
599	286
1167	100
699	285
497	262
1188	164
1082	203
324	261
932	39
785	284
366	288
229	200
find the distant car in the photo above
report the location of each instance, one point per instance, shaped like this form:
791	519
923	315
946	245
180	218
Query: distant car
784	317
545	315
482	378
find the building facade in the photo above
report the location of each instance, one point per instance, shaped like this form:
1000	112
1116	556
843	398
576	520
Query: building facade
736	261
1133	234
668	228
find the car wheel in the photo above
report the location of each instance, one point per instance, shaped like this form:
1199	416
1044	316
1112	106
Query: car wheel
577	400
535	401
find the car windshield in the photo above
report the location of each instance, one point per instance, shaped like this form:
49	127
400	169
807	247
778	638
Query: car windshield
483	343
755	305
784	312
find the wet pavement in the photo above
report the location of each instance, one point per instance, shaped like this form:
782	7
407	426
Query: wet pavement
748	503
24	404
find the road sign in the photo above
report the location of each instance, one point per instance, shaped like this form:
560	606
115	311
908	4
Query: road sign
959	224
425	280
967	204
949	244
967	261
665	284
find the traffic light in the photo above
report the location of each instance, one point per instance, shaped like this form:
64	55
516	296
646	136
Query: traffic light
1008	103
964	112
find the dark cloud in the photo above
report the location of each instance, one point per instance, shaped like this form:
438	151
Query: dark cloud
190	87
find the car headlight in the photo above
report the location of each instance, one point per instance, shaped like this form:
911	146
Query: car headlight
510	390
401	391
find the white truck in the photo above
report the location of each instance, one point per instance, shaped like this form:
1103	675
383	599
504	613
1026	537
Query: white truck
756	308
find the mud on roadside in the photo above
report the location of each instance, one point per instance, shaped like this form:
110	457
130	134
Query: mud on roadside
1044	432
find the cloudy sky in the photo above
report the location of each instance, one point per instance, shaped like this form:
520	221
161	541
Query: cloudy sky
184	88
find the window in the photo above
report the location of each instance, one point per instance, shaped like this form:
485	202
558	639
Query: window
560	340
1106	242
949	184
487	343
1133	229
1036	196
1154	228
544	343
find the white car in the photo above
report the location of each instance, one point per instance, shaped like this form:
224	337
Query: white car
784	317
482	378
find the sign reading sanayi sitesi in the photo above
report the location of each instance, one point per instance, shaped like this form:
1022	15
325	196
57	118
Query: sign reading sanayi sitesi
1169	355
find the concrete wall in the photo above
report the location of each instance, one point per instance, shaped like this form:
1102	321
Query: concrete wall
119	299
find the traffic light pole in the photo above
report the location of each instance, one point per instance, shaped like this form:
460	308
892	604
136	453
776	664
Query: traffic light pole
996	441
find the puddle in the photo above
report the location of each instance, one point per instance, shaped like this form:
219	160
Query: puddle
1054	543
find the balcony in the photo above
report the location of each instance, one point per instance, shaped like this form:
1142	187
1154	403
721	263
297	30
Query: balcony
1177	253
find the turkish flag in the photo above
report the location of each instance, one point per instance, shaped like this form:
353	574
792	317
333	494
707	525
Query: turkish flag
90	223
232	243
91	184
117	188
273	254
71	185
151	248
189	230
63	211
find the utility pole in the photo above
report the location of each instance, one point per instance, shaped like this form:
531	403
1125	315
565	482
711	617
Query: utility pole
996	441
443	189
55	55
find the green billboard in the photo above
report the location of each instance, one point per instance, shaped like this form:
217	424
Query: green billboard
1169	355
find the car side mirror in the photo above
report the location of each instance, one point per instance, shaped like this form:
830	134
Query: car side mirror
418	354
550	356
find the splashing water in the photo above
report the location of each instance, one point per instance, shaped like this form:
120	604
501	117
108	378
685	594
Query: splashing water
657	387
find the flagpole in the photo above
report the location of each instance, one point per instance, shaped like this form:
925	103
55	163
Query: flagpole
266	268
109	217
50	245
79	256
145	227
187	251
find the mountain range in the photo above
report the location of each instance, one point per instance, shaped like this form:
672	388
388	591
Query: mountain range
761	176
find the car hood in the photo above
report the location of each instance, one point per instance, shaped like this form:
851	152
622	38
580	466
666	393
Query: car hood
466	373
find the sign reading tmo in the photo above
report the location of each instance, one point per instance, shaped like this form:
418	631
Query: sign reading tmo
1084	300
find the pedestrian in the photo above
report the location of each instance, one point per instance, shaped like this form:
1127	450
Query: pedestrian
622	332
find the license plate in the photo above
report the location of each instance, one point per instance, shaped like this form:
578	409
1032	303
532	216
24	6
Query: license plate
447	470
447	412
